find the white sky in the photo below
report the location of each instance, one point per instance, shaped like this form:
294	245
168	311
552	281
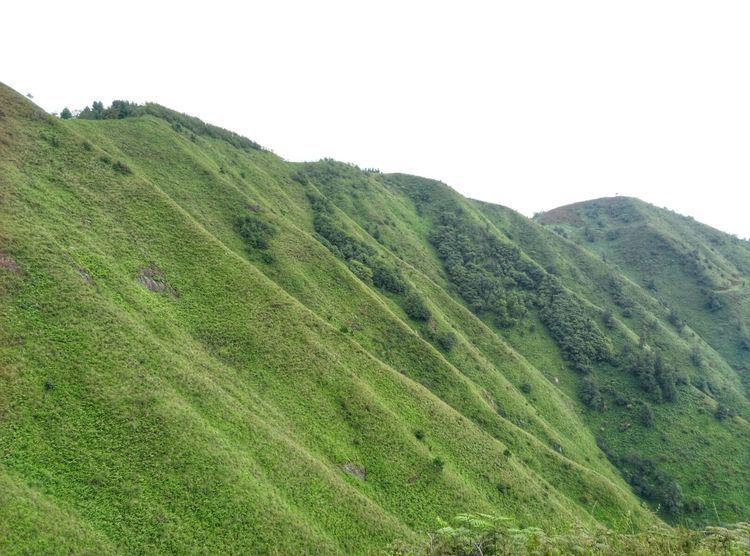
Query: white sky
530	104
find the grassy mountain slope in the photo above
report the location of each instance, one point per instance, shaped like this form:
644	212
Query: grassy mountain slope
691	277
661	249
206	348
686	443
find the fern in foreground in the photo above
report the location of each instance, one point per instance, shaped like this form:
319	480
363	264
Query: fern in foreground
488	535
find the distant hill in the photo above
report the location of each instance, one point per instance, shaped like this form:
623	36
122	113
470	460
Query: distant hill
206	348
693	268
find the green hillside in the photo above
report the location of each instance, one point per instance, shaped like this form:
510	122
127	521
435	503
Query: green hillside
205	348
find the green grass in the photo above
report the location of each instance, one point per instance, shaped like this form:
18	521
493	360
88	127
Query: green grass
223	411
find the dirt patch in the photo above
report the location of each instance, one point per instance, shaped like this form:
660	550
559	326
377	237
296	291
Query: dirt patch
153	279
354	470
7	262
86	277
489	399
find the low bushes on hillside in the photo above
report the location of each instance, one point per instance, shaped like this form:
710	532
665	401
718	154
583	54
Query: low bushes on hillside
255	232
651	371
120	109
489	535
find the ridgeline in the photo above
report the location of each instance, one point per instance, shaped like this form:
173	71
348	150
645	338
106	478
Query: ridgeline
205	348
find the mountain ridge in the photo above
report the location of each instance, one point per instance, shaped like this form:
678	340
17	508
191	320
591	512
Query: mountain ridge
321	304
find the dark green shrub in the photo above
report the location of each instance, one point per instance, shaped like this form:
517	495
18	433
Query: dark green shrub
122	168
254	231
445	339
675	320
722	412
714	302
415	307
387	278
578	336
696	357
652	373
647	415
360	270
616	290
590	394
484	269
651	483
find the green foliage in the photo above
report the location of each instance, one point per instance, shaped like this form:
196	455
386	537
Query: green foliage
647	479
493	278
117	110
653	374
675	320
487	272
415	307
120	109
647	415
255	232
617	291
445	339
66	114
722	412
369	264
360	270
696	357
590	394
490	535
122	168
198	127
386	277
651	483
578	336
340	243
714	302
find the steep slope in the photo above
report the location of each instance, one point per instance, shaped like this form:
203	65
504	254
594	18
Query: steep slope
204	347
690	277
167	388
601	340
695	269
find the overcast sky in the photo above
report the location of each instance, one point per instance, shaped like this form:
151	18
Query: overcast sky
528	104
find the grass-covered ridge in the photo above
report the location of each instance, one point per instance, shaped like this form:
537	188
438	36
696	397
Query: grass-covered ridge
207	348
